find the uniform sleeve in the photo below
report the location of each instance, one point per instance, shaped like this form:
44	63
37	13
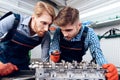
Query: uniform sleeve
6	25
55	41
95	49
45	45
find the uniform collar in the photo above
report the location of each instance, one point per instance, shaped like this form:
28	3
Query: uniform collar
26	20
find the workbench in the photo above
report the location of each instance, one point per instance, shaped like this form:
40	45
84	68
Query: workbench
20	75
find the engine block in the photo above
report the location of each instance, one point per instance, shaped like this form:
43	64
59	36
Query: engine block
67	71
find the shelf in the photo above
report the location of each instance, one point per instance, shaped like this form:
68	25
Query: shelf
106	23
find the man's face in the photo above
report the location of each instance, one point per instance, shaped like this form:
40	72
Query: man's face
42	23
70	31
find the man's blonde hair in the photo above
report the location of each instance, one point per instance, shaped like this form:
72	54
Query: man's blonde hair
40	7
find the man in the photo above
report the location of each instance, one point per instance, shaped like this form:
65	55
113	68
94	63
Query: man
72	39
31	31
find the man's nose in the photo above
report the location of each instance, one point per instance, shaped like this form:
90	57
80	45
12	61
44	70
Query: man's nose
46	28
65	34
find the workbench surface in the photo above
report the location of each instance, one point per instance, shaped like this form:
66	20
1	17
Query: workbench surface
20	75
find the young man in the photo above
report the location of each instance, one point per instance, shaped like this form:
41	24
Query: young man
72	39
31	31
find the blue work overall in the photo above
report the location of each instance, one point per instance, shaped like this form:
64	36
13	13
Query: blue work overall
72	50
16	49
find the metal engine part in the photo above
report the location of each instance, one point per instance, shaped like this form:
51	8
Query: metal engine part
67	71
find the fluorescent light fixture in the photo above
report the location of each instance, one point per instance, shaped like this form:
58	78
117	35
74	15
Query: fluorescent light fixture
99	10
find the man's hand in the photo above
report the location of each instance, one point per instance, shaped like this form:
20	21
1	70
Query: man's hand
7	68
55	56
112	73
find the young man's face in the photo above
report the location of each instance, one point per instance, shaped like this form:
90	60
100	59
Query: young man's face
70	31
42	23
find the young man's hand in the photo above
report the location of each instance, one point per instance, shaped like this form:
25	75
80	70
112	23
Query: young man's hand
7	68
55	56
111	73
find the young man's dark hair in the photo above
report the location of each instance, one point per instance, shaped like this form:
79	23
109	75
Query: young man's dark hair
66	16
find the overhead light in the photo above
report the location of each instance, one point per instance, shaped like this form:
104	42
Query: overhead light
99	10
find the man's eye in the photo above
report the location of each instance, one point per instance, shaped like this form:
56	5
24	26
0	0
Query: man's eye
44	23
68	30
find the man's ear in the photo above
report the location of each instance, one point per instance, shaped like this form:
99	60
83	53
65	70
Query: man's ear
33	17
33	21
80	24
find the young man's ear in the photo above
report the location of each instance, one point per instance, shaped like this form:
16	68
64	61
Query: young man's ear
80	24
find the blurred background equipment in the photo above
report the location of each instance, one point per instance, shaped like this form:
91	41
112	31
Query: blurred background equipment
112	33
